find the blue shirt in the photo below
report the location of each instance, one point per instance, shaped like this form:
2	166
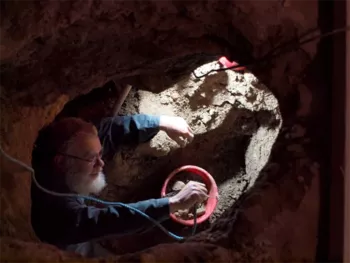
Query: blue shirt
67	222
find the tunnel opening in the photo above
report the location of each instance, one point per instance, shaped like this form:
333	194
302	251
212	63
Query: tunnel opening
235	119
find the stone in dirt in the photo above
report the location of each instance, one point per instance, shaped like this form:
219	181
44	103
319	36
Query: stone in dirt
178	185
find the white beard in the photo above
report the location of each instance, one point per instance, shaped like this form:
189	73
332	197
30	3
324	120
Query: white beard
81	184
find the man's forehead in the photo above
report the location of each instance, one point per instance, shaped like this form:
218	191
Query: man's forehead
86	143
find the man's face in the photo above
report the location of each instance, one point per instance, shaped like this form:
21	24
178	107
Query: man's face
84	173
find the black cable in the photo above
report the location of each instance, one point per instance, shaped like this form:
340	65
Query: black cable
194	220
292	41
270	55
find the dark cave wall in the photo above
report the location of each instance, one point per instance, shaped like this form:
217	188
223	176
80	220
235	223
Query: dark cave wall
52	51
65	47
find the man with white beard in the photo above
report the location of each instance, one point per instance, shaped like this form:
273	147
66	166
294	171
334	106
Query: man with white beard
68	158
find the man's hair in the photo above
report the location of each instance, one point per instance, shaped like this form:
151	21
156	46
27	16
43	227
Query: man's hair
54	137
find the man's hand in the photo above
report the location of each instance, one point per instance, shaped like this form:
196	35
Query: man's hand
191	194
176	128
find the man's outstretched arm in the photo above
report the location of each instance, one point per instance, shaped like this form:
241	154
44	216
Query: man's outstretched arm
88	222
139	128
136	128
94	223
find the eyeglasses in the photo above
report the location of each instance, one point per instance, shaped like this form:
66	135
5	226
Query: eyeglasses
92	161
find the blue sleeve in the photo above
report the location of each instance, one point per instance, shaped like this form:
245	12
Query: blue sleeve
94	223
138	128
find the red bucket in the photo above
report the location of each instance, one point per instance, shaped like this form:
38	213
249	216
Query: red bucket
227	64
211	186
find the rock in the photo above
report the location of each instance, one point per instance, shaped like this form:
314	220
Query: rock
181	213
305	101
297	131
206	118
178	185
301	179
165	99
175	95
42	252
200	210
297	148
286	3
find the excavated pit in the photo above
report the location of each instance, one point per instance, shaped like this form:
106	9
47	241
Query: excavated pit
235	119
52	52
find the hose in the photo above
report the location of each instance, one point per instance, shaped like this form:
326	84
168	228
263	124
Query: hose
31	170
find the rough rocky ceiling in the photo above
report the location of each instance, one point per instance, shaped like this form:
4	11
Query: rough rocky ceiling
64	47
52	51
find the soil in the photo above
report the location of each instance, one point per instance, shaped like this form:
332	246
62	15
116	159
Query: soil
235	119
176	184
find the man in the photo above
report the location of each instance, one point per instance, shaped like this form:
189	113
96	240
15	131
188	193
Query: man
67	158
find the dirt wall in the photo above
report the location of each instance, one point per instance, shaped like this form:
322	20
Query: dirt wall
51	52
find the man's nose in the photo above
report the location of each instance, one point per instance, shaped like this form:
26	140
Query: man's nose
100	162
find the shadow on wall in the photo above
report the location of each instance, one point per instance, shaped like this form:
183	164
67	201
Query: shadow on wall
94	106
178	71
206	92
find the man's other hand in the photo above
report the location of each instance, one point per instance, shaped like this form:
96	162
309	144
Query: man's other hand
191	194
176	128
